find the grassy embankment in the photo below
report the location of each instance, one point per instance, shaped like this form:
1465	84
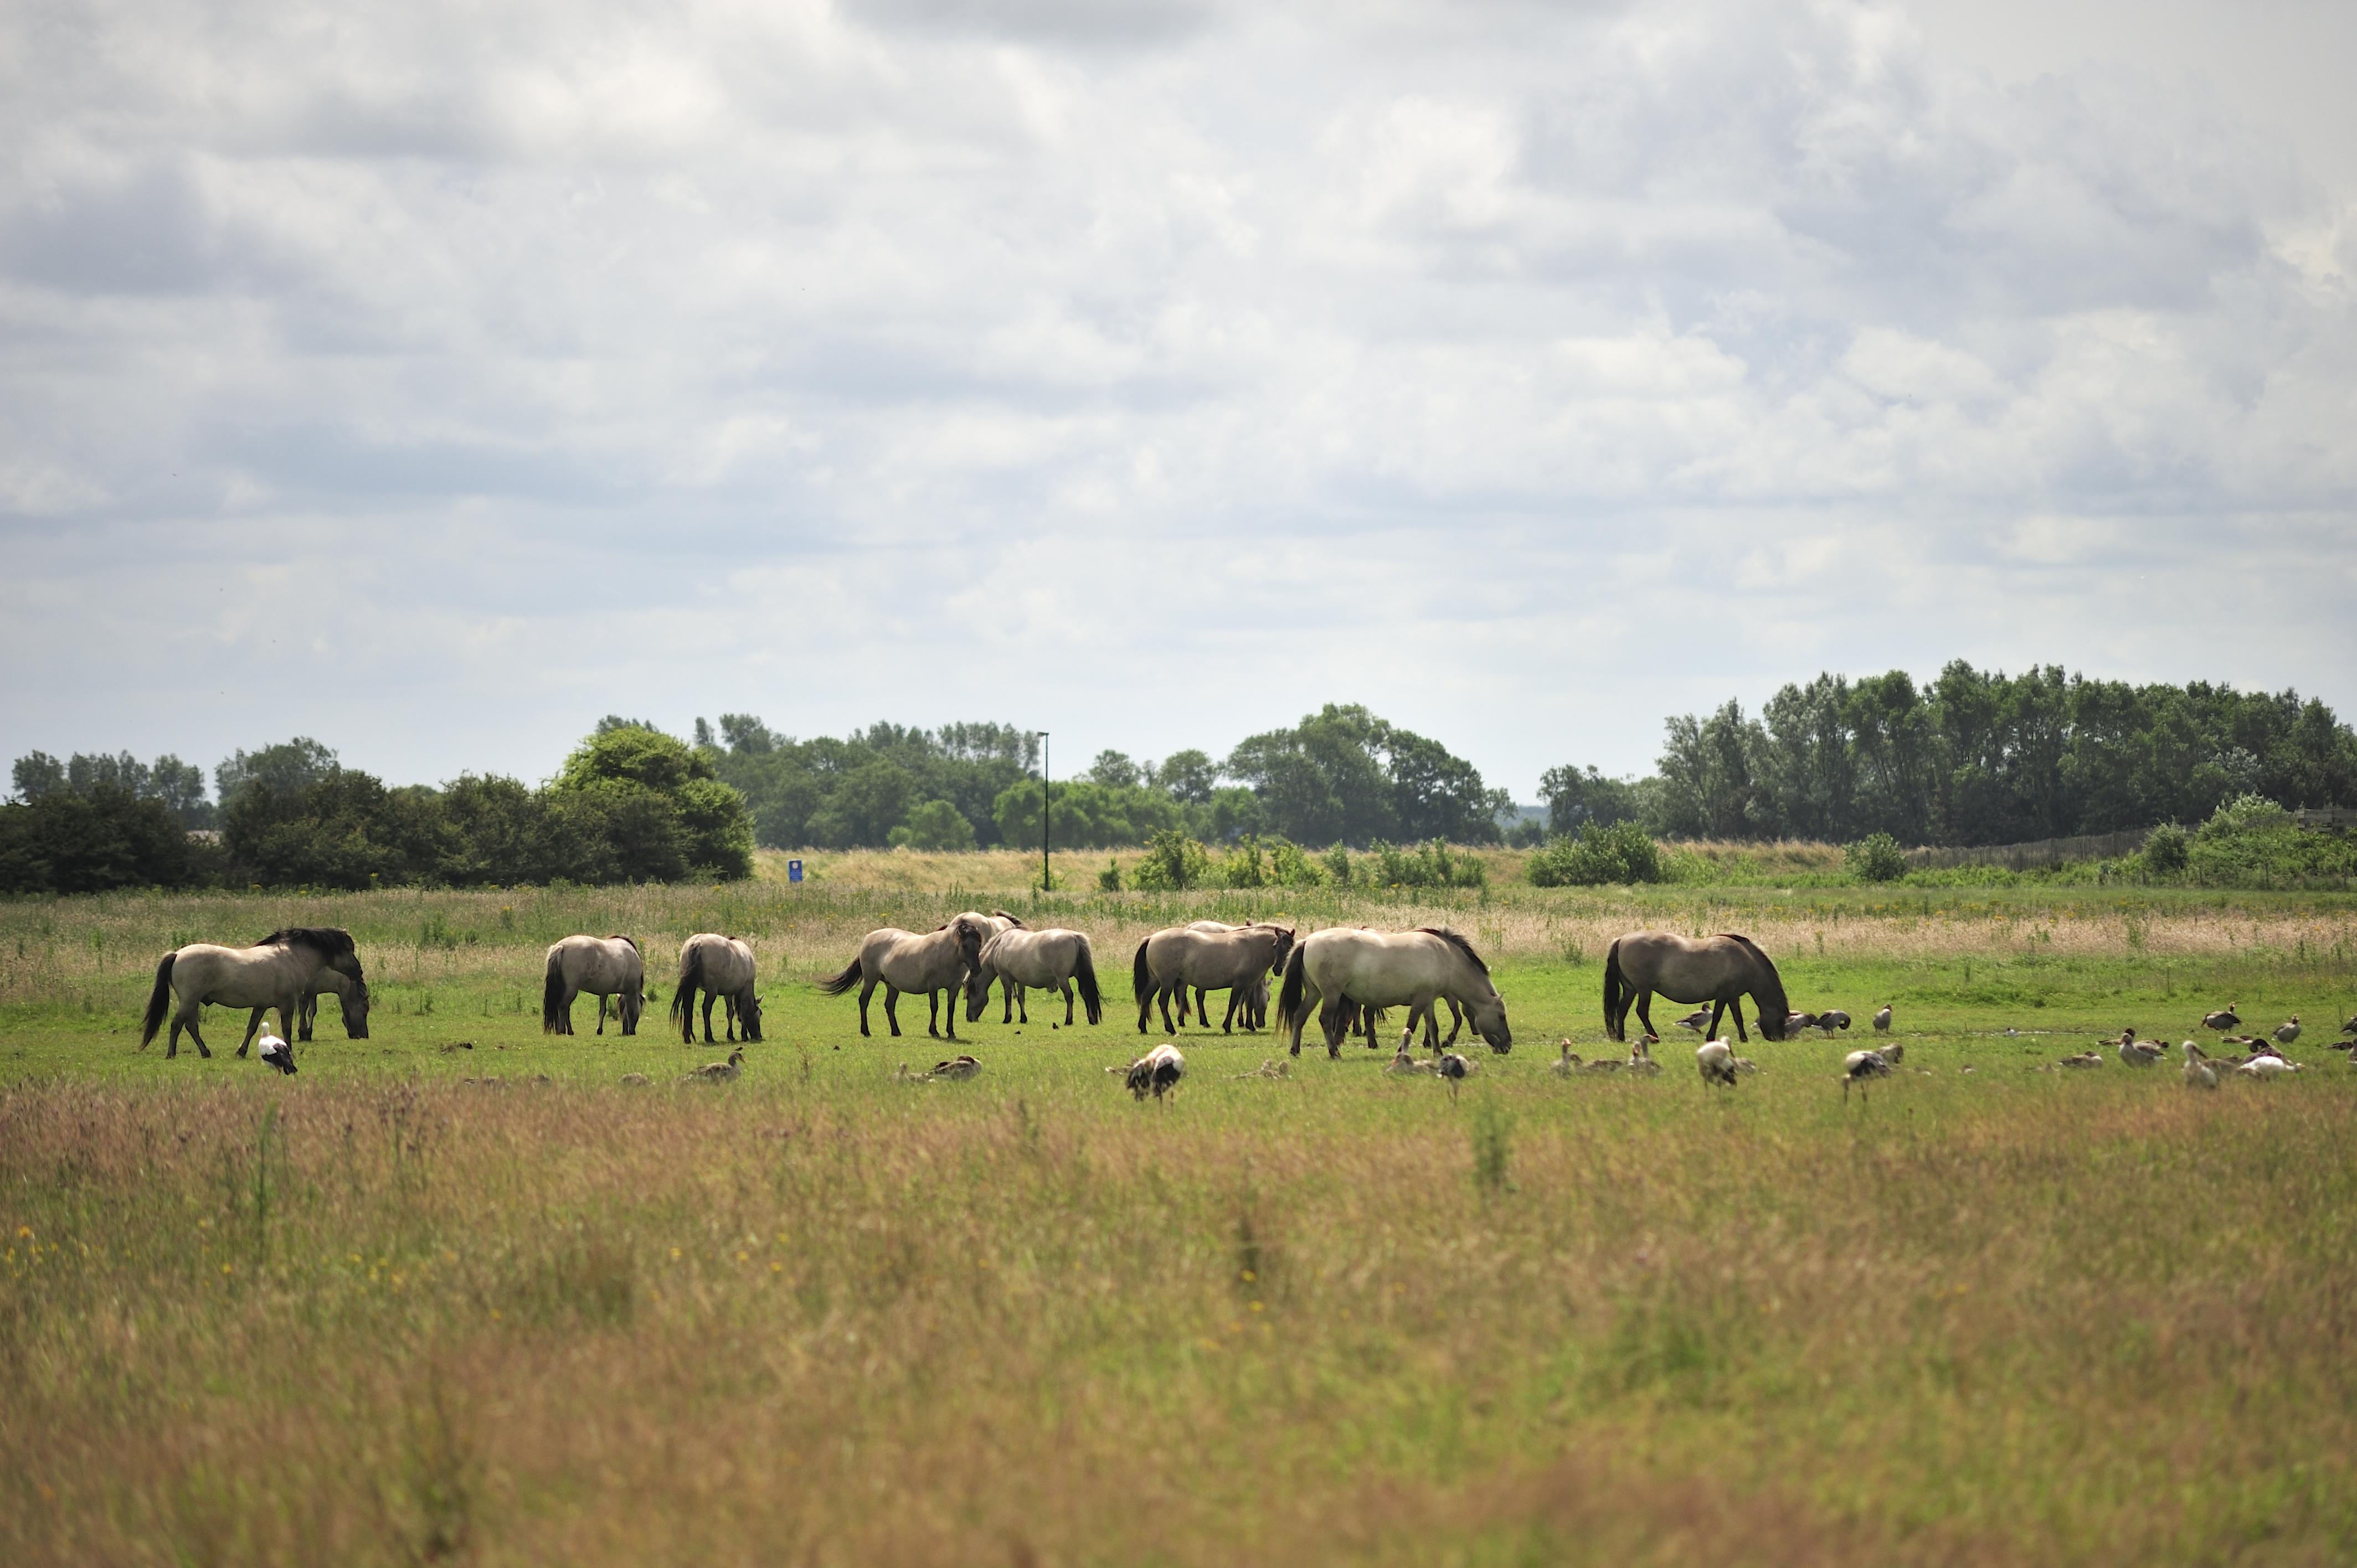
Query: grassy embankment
378	1313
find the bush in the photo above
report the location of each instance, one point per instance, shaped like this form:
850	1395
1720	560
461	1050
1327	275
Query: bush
1244	866
2164	850
1877	858
71	842
1109	879
2251	842
1173	864
935	825
1289	867
1619	854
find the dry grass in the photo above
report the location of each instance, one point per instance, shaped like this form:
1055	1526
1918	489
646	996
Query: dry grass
824	1321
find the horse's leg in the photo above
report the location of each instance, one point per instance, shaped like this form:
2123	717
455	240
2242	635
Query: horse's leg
865	992
285	1017
1202	1007
310	1014
203	1049
1022	1001
1162	994
253	1023
1645	1010
709	998
183	1017
1065	986
1736	1008
952	1008
892	1007
601	1012
1456	1022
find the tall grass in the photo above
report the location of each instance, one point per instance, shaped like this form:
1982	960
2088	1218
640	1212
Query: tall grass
827	1318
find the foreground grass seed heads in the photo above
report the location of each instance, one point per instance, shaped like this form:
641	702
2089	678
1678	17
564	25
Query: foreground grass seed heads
381	1314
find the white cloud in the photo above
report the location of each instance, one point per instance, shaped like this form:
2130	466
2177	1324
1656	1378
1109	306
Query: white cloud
1528	372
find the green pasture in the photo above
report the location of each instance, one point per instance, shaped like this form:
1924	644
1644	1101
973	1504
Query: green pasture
380	1314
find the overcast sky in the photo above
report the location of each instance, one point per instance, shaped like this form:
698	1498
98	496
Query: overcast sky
434	378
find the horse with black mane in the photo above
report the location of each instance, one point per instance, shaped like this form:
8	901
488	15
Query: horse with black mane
1720	970
1352	970
276	972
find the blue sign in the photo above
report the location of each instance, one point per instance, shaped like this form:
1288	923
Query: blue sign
793	871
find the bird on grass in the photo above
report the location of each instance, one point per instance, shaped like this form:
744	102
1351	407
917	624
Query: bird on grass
1697	1020
2264	1069
1565	1064
2199	1073
2083	1059
2222	1020
728	1071
277	1053
1882	1020
1640	1059
1404	1062
1156	1072
636	1081
2350	1026
2286	1033
2141	1052
1716	1060
1861	1067
1796	1022
902	1075
1454	1066
1746	1065
1272	1068
1832	1020
957	1069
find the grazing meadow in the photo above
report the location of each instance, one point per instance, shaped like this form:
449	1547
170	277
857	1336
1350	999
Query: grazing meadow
456	1293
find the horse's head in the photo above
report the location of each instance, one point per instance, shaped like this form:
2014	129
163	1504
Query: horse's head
1284	936
748	1016
1488	1018
978	979
355	1000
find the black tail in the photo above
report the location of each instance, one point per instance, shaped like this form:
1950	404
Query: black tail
551	997
1297	985
159	1002
683	996
1085	974
1617	994
836	985
1141	984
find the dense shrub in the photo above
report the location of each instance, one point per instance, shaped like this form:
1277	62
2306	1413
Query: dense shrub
2251	841
1431	865
1620	854
2165	849
935	825
1173	864
1877	857
72	841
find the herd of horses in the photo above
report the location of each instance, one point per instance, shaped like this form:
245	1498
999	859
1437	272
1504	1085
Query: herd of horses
1347	977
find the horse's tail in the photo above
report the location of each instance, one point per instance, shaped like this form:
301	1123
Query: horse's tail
1141	984
551	995
1085	974
1297	985
683	996
836	985
159	1002
1617	991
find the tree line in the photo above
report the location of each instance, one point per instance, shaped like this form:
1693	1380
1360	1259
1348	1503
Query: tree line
1974	758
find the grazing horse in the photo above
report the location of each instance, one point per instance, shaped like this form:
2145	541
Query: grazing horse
1179	958
323	983
602	966
276	972
1720	970
718	966
1353	970
1054	960
903	960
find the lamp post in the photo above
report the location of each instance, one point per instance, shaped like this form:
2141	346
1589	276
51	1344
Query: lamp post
1045	881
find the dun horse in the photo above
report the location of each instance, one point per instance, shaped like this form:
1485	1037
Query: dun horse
1720	970
1052	959
718	966
1352	970
902	961
1180	958
602	966
276	972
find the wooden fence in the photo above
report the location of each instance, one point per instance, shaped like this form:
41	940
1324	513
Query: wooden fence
2024	856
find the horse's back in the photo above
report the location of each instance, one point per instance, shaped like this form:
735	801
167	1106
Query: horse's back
1383	968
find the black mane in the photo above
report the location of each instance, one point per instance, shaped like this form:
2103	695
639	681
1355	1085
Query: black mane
1459	943
618	937
329	941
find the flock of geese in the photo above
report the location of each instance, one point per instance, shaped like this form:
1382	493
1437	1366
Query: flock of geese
1157	1072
